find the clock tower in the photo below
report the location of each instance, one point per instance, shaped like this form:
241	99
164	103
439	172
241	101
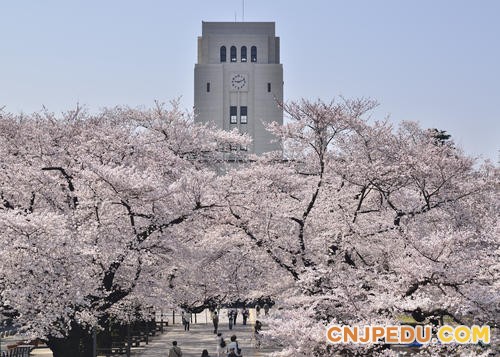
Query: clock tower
238	80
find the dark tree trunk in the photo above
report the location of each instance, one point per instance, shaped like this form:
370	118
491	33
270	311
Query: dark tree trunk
78	343
86	349
104	335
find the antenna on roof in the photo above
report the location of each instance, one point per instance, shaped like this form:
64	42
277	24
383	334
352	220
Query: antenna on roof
235	16
243	16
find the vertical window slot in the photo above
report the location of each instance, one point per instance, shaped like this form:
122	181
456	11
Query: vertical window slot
253	54
223	54
233	54
233	114
243	115
243	53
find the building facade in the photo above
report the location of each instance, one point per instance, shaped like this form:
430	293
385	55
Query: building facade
238	80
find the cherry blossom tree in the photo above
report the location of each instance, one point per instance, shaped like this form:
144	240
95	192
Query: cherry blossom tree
354	222
93	211
369	224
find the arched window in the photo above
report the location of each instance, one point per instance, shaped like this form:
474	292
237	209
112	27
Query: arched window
223	53
253	54
243	53
233	53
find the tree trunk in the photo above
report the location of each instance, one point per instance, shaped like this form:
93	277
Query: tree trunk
104	336
78	343
86	347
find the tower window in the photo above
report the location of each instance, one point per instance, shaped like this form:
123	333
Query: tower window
233	53
243	115
233	114
269	87
208	87
253	54
223	53
243	53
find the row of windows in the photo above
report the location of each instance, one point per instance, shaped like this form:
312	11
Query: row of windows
243	52
232	147
233	114
268	87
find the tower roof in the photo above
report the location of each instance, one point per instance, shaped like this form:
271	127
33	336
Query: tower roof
223	28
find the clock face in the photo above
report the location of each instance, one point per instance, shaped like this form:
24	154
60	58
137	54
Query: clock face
238	81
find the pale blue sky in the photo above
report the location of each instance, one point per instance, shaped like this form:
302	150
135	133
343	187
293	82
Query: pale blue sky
434	61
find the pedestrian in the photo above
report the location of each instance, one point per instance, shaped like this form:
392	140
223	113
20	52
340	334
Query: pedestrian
258	326
221	345
232	353
245	313
235	315
266	308
204	353
175	351
256	333
215	320
186	318
234	345
230	318
257	310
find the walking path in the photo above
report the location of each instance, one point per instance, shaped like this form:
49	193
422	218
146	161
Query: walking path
201	337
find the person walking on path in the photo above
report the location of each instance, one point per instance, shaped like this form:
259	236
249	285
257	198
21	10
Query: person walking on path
235	315
215	320
230	318
257	310
204	353
221	345
245	313
186	319
175	351
233	345
266	309
256	333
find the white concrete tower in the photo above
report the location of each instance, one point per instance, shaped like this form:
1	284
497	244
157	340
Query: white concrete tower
238	80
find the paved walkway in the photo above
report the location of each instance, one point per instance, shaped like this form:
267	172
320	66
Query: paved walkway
201	337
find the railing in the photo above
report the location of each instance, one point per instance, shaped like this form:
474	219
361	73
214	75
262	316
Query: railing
18	351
